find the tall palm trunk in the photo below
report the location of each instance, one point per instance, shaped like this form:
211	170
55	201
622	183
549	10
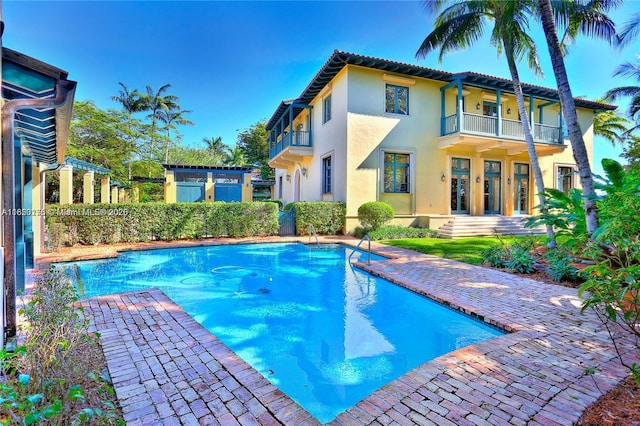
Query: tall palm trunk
580	154
526	128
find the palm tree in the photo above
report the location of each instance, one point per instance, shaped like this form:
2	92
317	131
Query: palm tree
589	19
631	71
171	118
131	101
235	157
215	144
216	147
462	22
156	102
611	126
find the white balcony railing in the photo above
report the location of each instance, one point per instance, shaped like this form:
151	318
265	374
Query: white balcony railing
489	125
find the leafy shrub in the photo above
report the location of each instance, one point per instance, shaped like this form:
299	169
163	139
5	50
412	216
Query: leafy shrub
278	202
53	377
612	286
495	256
393	232
560	267
289	206
326	217
374	214
520	260
111	223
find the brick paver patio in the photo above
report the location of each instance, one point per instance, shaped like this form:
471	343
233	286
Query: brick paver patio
167	369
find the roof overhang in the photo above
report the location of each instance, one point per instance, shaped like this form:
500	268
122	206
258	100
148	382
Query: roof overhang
244	169
43	132
339	60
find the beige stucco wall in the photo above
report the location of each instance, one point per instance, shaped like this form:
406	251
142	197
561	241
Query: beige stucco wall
360	131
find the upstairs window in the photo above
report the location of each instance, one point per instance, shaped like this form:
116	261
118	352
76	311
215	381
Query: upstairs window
396	173
326	108
397	99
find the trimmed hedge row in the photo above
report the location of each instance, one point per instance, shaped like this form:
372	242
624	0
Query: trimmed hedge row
327	217
112	223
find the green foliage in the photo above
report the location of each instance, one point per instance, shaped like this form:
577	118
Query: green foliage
105	138
374	214
253	143
468	250
392	232
612	286
495	256
289	207
112	223
559	265
42	377
327	217
566	214
520	260
277	202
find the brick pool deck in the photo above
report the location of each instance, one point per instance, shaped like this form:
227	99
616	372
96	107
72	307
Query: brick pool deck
168	370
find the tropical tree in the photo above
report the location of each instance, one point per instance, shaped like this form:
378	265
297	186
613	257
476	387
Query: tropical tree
172	118
253	142
586	18
462	22
216	149
611	126
235	157
629	70
132	102
157	101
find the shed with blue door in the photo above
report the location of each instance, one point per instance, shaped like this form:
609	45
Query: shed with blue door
195	183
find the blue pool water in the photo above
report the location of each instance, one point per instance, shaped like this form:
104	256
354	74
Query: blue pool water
324	332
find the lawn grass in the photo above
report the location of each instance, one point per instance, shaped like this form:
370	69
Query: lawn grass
467	250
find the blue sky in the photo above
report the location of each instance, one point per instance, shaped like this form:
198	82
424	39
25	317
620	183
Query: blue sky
232	62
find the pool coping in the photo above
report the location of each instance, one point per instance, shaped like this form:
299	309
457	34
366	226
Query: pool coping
534	375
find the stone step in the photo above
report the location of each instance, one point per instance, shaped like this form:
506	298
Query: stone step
471	226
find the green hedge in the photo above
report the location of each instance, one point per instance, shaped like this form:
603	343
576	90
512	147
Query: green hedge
112	223
327	217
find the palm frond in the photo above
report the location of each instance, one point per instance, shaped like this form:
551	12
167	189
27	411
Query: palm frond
630	31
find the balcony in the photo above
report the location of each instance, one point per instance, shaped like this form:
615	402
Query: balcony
490	132
290	148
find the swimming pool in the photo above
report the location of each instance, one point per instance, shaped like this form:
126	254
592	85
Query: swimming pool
325	333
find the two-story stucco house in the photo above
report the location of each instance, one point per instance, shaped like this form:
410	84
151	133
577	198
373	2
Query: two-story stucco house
435	145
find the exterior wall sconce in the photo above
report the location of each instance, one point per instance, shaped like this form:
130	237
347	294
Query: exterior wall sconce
305	171
478	179
508	181
478	105
288	177
443	177
508	111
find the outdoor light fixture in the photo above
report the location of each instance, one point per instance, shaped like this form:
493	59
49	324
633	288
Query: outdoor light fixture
288	177
305	171
508	181
443	177
478	105
478	179
509	111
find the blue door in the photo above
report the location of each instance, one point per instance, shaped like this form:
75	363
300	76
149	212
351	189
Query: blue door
228	192
189	192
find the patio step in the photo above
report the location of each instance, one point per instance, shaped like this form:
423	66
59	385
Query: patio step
477	226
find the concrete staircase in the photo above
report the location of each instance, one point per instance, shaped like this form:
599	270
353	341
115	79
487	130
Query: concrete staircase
476	226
